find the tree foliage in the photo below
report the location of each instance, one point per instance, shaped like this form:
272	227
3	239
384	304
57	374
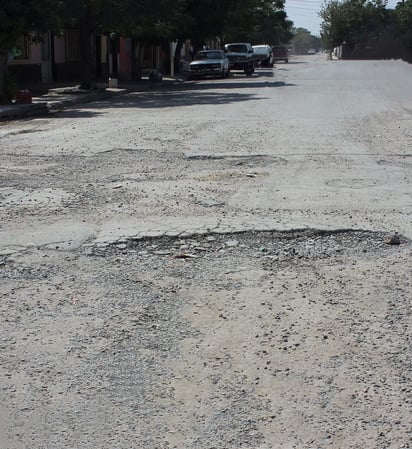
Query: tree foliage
403	14
352	21
22	18
91	17
255	21
303	40
272	25
151	20
258	21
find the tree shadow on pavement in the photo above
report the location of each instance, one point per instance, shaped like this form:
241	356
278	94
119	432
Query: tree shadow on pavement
295	62
233	83
167	99
191	93
150	100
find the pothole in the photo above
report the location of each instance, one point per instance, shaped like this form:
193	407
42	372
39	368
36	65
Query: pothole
230	175
297	246
240	157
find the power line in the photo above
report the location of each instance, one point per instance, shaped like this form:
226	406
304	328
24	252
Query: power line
300	4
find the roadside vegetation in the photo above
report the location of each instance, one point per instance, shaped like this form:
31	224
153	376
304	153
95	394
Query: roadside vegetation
355	21
304	40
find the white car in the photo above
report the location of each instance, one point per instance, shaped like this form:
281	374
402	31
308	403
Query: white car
209	63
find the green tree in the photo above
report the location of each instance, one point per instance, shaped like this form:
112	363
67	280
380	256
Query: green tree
271	24
202	21
259	21
91	17
403	13
151	21
303	40
352	21
19	19
255	21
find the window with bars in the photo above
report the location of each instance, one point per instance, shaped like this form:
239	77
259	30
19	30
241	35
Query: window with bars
22	49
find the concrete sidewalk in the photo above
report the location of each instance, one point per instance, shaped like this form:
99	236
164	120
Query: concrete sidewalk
54	98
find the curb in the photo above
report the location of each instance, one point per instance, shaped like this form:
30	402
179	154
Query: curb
15	112
45	107
40	108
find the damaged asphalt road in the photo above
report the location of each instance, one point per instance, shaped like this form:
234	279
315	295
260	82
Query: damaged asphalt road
225	264
244	340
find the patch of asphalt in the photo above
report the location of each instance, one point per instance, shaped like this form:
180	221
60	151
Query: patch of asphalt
65	236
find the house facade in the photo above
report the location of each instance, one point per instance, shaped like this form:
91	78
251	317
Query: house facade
58	59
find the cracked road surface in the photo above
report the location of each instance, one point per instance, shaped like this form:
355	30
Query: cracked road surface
205	266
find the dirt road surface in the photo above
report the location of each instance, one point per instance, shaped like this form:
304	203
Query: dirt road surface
221	264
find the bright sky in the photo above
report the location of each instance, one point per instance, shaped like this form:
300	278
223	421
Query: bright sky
304	13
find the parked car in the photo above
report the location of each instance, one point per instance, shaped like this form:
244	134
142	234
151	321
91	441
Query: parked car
209	63
264	52
280	54
311	51
242	57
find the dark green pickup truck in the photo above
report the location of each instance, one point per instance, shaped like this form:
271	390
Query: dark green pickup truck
242	57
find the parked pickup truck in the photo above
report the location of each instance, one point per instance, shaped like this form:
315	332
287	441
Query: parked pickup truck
264	53
280	54
242	57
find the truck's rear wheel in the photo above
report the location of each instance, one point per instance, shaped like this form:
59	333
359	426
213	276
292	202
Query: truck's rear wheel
248	71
